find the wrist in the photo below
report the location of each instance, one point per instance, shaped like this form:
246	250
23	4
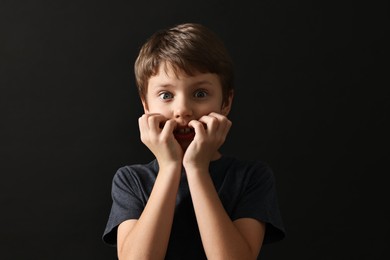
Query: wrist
196	169
172	167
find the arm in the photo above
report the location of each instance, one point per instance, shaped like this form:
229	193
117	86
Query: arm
147	237
221	237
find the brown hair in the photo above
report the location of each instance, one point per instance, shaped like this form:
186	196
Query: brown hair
188	47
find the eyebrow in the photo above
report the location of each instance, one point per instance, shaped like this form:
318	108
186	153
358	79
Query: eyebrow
202	82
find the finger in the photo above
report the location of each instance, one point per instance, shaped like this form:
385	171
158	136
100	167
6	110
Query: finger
211	122
144	119
198	126
143	128
217	115
143	122
224	123
155	121
169	127
227	127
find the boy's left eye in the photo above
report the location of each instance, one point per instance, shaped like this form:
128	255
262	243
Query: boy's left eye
200	94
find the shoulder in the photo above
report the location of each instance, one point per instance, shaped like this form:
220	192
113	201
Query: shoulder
128	174
250	168
241	174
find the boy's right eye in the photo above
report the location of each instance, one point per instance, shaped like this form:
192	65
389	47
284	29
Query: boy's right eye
165	95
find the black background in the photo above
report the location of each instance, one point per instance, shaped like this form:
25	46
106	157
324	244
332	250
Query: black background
311	99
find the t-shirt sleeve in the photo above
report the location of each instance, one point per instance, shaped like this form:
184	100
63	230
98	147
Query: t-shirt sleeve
126	203
259	201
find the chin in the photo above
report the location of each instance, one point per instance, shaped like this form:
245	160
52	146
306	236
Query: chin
184	145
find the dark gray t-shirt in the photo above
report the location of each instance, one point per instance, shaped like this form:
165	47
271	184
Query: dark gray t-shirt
246	189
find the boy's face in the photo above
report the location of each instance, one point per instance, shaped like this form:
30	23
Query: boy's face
184	98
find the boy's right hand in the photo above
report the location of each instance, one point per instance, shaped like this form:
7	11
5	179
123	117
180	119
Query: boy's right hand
157	134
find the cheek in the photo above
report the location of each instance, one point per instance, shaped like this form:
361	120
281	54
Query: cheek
217	106
208	109
159	109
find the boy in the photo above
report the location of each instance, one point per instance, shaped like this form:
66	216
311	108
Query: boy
191	202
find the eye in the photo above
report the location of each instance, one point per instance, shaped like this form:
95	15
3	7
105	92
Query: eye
200	94
165	95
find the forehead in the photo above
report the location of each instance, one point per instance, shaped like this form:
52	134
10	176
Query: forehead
166	74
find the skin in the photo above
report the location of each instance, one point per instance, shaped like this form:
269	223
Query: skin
178	101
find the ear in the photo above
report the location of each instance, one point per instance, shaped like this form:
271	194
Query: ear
145	106
226	106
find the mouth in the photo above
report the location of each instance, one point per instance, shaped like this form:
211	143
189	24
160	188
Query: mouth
184	133
184	130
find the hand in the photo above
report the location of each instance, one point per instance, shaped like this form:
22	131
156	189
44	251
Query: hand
157	134
210	133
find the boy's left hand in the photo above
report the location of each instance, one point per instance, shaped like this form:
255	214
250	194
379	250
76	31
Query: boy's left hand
210	133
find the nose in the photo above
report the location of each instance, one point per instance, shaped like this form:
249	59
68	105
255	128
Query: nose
182	108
